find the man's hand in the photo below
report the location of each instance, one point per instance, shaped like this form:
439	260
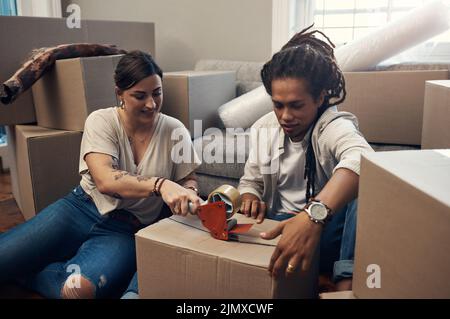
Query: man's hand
252	206
297	245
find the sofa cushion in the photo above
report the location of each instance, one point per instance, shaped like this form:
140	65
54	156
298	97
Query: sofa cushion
247	73
216	149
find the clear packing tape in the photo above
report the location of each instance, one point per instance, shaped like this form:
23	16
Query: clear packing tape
362	54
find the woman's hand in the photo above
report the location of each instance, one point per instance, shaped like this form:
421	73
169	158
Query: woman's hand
252	206
297	245
177	198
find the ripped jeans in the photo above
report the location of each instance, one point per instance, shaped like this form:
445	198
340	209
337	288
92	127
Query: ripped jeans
71	237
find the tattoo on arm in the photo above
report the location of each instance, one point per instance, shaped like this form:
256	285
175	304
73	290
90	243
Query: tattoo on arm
115	164
142	178
120	174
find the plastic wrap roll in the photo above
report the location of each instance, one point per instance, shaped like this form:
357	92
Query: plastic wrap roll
412	29
362	54
244	110
229	195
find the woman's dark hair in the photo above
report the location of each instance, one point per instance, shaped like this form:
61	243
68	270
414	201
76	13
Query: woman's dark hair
133	67
311	59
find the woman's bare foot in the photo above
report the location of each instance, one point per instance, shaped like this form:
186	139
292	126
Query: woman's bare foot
344	284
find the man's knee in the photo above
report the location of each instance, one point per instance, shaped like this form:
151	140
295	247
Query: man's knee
77	287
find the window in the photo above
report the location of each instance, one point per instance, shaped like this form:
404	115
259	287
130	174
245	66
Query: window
345	20
39	8
8	8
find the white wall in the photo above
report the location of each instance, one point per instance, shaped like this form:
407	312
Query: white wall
189	30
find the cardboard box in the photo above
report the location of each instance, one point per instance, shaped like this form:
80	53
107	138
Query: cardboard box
28	33
47	166
175	260
73	89
403	227
436	115
196	95
338	295
11	149
389	104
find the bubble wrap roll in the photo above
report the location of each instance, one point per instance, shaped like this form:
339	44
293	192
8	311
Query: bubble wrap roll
244	110
393	38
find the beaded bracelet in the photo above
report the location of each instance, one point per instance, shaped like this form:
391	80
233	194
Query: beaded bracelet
158	191
155	190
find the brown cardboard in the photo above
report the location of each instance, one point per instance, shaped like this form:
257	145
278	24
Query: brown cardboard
403	225
28	33
74	88
196	95
389	104
338	295
175	260
11	148
47	166
436	115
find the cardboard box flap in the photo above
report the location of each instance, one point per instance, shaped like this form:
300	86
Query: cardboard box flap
427	173
445	83
174	233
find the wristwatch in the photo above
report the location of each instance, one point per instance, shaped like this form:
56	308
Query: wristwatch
317	211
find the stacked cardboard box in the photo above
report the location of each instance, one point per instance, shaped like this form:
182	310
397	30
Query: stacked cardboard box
45	160
29	33
63	99
74	88
389	104
436	115
47	166
196	95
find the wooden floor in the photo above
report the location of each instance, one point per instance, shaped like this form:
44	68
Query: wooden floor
11	216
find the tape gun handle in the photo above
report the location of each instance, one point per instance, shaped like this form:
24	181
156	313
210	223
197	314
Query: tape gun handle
202	202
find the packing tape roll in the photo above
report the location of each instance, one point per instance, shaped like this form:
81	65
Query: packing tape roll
229	195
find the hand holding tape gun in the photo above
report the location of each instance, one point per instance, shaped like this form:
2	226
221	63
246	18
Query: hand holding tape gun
216	213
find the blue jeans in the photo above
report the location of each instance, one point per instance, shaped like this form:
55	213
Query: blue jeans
132	290
70	236
337	244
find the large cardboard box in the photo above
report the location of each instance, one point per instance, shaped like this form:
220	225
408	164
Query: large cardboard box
436	115
196	95
11	149
403	227
73	89
389	104
47	166
175	260
28	33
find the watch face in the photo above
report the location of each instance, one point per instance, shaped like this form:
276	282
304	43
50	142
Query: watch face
318	211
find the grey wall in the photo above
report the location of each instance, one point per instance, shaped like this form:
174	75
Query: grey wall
189	30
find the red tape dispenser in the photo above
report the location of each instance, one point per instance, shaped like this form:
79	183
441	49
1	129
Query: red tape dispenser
217	211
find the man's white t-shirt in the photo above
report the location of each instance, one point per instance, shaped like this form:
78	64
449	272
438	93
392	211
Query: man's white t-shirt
104	133
291	181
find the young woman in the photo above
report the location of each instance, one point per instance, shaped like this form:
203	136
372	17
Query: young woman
82	246
318	151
